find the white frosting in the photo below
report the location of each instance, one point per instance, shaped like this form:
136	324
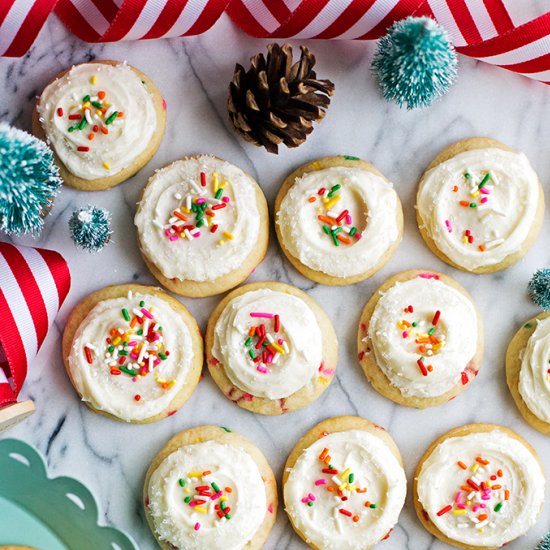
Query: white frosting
211	254
290	370
534	376
521	489
116	393
504	212
375	469
176	521
372	204
395	340
128	136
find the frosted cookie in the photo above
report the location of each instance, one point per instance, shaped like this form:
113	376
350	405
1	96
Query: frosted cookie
104	120
344	484
480	205
210	488
339	220
479	486
203	226
270	348
420	339
528	371
133	353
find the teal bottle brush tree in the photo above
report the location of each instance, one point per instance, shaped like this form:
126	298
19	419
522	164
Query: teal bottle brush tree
415	62
29	181
90	228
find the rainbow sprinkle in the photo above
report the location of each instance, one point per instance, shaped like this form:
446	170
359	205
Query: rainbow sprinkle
264	347
135	347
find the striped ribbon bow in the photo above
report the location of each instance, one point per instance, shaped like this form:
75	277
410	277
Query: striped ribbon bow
33	284
482	29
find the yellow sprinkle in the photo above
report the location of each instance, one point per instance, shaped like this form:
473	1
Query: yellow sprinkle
72	106
215	181
279	348
187	490
200	509
106	165
185	210
98	112
116	341
459	512
475	468
345	473
480	530
228	235
194	474
106	104
93	79
342	487
332	202
465	239
324	381
223	185
221	243
87	104
223	497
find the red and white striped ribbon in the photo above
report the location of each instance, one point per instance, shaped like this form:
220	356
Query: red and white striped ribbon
33	284
482	29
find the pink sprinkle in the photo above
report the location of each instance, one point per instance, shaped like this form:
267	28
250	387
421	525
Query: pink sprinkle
260	314
485	191
156	362
247	396
201	200
462	506
485	497
311	497
348	219
164	104
146	313
270	508
280	341
134	356
483	200
458	496
197	526
194	503
475	508
358	235
448	224
270	358
405	334
262	369
134	379
428	275
174	238
482	505
167	232
305	500
216	496
321	482
328	371
132	343
197	234
225	199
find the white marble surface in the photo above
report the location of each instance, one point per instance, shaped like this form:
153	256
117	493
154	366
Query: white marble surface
193	74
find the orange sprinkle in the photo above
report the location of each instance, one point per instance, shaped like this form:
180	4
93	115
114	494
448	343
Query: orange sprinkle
327	459
343	239
499	473
464	203
465	488
367	503
206	472
406	323
133	322
496	487
430	368
252	331
104	130
481	247
364	490
455	188
179	215
482	461
311	199
120	114
330	489
327	219
422	349
355	519
506	494
113	331
433	339
422	341
228	490
91	136
481	517
101	94
323	454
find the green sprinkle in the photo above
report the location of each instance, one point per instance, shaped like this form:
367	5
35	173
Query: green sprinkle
200	223
203	205
163	356
187	500
352	231
225	429
528	325
351	477
467	175
160	328
337	230
127	370
223	505
373	506
335	187
218	194
414	323
110	349
142	304
125	314
335	240
82	124
200	215
251	353
498	507
72	129
215	487
326	229
139	332
86	98
111	118
265	344
349	157
310	504
181	481
248	341
227	516
97	104
431	331
194	207
473	205
484	180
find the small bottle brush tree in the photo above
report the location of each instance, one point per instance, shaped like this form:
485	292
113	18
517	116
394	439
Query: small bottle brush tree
539	290
29	181
415	62
90	228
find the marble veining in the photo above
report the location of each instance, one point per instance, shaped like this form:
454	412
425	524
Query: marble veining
193	74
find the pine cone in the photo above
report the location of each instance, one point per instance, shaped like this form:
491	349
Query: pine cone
275	101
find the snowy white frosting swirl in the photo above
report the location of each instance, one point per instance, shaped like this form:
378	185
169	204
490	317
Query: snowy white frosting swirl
117	141
196	524
191	245
129	394
402	332
369	504
293	354
505	488
479	206
534	376
364	235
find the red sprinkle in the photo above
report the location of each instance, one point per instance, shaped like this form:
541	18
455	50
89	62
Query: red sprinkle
59	111
75	117
214	228
473	484
137	397
422	367
218	206
277	323
435	320
329	471
88	353
83	148
464	377
203	179
321	191
444	510
345	512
